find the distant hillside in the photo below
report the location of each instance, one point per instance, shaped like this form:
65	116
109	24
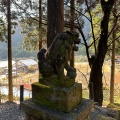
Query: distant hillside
17	37
17	51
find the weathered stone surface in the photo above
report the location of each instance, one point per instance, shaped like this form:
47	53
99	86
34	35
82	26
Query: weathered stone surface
35	111
55	59
115	107
103	113
101	117
54	81
63	99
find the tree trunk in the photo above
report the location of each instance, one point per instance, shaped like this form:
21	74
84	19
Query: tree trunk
113	62
112	71
96	69
72	12
40	24
96	79
10	96
55	19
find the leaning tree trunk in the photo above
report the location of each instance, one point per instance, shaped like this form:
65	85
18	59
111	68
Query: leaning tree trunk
55	19
96	69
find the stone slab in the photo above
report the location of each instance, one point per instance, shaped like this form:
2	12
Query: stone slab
35	111
63	99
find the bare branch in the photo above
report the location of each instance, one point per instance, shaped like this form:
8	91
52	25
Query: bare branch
86	46
92	42
113	26
83	75
83	14
91	25
27	12
113	41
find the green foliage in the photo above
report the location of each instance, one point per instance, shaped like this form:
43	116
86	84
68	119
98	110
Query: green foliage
32	34
3	30
18	52
30	24
97	16
96	20
78	10
3	20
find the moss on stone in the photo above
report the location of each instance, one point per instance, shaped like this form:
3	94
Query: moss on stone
39	112
64	99
115	106
54	81
101	117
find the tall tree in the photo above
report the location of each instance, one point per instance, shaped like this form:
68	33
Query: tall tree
112	69
71	16
10	96
55	18
96	68
32	25
113	29
72	12
40	24
113	57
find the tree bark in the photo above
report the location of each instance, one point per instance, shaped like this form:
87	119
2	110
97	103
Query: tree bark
112	71
113	61
72	12
55	19
96	69
40	24
10	96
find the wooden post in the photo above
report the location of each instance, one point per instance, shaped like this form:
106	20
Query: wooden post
0	93
91	93
21	94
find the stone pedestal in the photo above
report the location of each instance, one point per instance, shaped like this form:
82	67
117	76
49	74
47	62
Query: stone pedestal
35	111
54	102
63	99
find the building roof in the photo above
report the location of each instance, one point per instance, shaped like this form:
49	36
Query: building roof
28	62
4	64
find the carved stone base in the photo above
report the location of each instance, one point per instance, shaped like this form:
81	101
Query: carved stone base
35	111
62	99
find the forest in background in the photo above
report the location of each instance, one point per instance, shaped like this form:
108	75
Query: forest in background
17	50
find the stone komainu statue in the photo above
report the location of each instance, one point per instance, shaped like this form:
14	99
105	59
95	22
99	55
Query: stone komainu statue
55	59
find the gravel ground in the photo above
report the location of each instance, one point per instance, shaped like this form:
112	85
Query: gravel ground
11	111
103	111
